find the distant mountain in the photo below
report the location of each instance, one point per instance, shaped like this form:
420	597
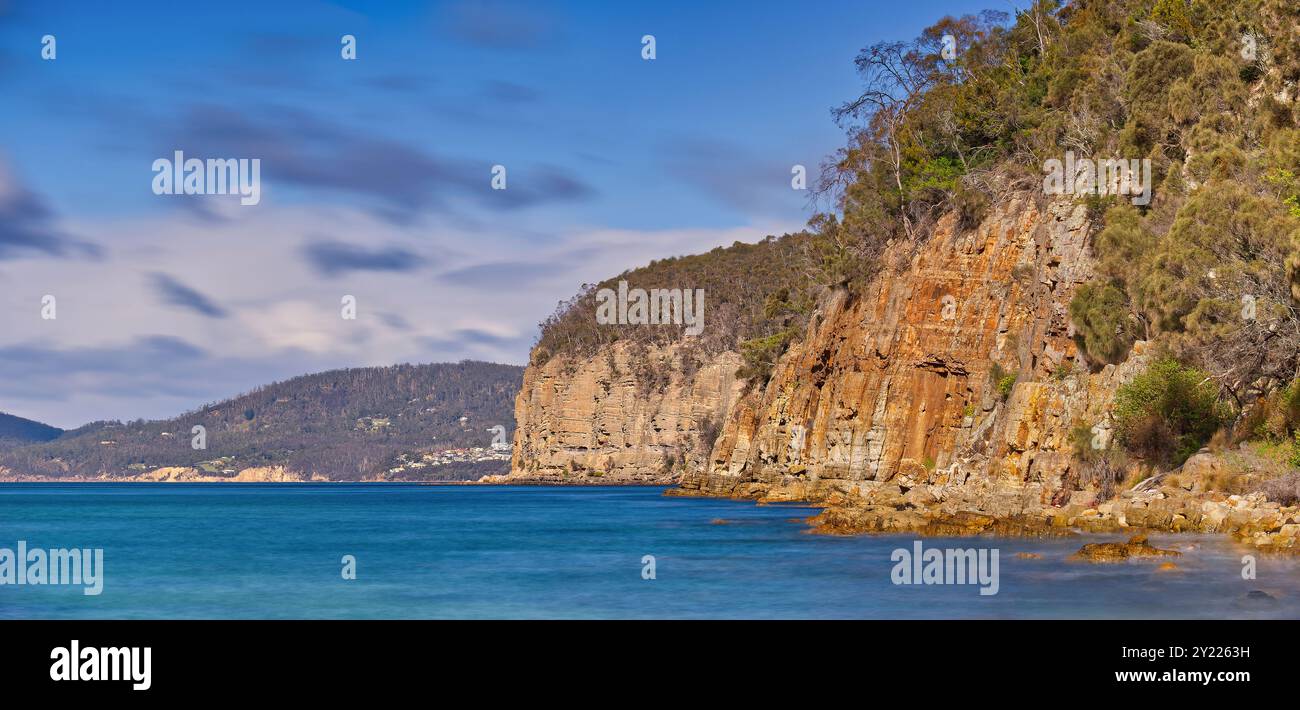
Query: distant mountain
16	431
353	424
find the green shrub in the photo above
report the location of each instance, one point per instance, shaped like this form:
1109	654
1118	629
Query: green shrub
1081	443
1288	186
1100	315
1174	17
1168	412
760	355
1003	381
1005	385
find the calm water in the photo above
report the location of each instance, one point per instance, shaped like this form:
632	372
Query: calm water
273	551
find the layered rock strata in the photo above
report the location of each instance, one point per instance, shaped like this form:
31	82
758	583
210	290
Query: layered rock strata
606	419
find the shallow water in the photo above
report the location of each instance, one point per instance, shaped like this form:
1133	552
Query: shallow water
274	550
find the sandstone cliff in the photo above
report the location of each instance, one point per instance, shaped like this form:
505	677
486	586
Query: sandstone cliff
892	385
899	383
604	419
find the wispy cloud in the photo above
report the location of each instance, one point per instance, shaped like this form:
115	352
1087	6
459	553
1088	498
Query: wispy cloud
515	273
303	149
332	258
175	293
738	178
72	386
27	224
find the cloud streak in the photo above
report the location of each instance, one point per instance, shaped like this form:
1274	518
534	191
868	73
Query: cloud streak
297	148
27	224
332	258
175	293
731	175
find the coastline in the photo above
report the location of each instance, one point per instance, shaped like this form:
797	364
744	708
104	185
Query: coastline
868	507
850	508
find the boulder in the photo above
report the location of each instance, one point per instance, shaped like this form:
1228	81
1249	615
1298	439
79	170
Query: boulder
1137	546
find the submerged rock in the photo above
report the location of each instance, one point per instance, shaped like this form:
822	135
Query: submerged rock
1137	546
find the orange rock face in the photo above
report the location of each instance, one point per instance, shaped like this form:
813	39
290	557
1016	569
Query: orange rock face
896	386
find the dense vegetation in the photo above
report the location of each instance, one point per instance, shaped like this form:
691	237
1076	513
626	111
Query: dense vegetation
756	297
342	424
1167	412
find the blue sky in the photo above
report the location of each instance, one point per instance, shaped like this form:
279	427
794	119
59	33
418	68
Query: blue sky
376	175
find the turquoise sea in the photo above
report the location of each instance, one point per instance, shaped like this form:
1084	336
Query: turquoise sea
265	551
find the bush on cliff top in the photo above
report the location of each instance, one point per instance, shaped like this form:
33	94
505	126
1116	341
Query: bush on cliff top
750	291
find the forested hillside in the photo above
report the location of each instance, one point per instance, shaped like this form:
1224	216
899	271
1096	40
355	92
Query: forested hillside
343	425
756	295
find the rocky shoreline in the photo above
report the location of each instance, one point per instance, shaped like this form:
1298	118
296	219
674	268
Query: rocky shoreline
552	482
867	507
977	507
